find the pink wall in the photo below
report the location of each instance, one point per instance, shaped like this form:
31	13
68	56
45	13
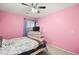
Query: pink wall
62	28
11	25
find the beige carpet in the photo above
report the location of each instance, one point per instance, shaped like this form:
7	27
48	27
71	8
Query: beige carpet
52	50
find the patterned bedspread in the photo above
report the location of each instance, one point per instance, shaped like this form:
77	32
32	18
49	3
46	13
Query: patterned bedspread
17	45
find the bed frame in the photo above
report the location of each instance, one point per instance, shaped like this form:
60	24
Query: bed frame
40	48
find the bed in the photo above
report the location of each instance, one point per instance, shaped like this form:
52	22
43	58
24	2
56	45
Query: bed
21	46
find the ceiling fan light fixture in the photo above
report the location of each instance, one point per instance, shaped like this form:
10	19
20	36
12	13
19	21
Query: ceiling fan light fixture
34	10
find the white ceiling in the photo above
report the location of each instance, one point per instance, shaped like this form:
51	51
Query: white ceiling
20	9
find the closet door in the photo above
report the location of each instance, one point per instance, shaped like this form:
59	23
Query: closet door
25	27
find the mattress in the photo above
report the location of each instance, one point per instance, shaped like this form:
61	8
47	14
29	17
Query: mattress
17	46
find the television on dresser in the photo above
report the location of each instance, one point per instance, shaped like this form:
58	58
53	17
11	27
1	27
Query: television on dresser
36	28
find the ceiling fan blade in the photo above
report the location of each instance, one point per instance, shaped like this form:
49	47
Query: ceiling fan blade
42	7
36	5
25	4
32	4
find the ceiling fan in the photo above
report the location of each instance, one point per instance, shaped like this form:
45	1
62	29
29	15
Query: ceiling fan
35	8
